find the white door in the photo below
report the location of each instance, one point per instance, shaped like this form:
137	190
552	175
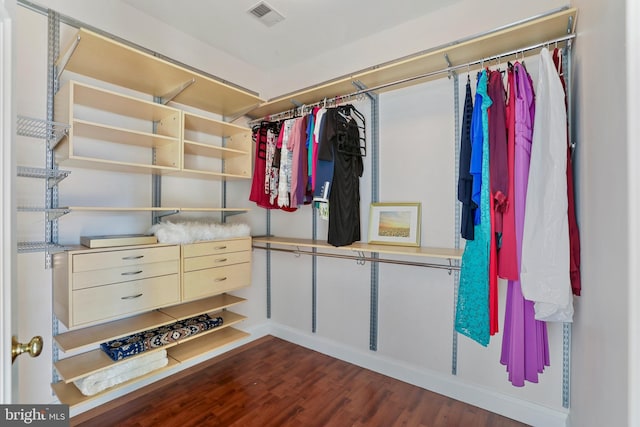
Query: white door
7	216
8	246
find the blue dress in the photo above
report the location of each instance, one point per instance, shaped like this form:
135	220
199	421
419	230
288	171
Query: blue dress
472	306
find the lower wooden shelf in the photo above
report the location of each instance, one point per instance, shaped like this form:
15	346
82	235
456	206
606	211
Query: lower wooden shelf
69	394
83	364
177	353
198	346
78	339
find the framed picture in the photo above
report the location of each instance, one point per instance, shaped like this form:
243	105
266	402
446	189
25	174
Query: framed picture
394	224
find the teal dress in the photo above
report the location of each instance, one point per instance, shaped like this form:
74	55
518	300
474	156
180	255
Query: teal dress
472	306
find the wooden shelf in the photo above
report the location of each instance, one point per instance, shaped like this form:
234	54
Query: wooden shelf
69	394
201	345
83	128
78	366
206	305
106	59
215	149
200	149
94	335
425	252
198	123
527	33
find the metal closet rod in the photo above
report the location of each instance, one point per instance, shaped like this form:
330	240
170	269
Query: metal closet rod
448	70
362	259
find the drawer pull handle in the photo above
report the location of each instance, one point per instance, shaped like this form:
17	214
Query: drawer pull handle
219	248
132	296
133	257
131	273
221	259
220	279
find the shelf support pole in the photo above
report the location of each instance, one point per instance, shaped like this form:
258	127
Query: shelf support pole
457	218
375	195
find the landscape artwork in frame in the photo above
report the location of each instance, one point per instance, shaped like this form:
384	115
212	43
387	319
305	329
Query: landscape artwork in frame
394	224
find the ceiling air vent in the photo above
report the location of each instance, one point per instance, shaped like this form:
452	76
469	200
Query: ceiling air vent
266	14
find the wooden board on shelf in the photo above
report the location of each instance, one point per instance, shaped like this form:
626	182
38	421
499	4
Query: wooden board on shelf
206	305
69	394
198	123
197	347
121	136
230	319
427	252
106	59
93	335
83	364
513	37
201	149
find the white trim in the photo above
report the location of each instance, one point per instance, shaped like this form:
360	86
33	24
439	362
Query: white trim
7	216
451	386
633	253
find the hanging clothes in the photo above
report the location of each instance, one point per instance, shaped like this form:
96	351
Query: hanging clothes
507	256
498	167
258	183
343	135
297	146
574	234
525	348
286	158
498	180
472	306
465	179
545	244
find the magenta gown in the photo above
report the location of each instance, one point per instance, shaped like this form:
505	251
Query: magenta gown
525	347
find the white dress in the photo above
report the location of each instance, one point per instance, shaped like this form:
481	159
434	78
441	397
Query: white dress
545	243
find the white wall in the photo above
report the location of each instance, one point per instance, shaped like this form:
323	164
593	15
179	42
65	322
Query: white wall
460	20
600	338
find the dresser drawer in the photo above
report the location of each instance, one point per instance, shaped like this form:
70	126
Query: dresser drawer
87	279
213	281
108	302
219	260
216	247
124	258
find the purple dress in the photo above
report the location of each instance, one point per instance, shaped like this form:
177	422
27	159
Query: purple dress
525	347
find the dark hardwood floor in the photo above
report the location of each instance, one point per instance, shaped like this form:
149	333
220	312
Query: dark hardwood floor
271	382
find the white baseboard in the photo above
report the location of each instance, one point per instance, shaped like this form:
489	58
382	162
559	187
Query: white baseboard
451	386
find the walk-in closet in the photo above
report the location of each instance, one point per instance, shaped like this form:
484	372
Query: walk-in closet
444	197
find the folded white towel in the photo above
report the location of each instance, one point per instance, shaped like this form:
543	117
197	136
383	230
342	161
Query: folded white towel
123	371
195	231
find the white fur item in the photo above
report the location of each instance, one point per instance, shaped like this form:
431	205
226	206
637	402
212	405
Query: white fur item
124	371
195	231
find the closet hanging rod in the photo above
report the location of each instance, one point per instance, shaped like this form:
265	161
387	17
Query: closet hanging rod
446	70
362	258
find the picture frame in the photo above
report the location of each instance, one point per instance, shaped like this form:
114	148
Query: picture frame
395	224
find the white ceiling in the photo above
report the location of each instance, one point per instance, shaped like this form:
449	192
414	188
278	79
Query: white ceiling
310	27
